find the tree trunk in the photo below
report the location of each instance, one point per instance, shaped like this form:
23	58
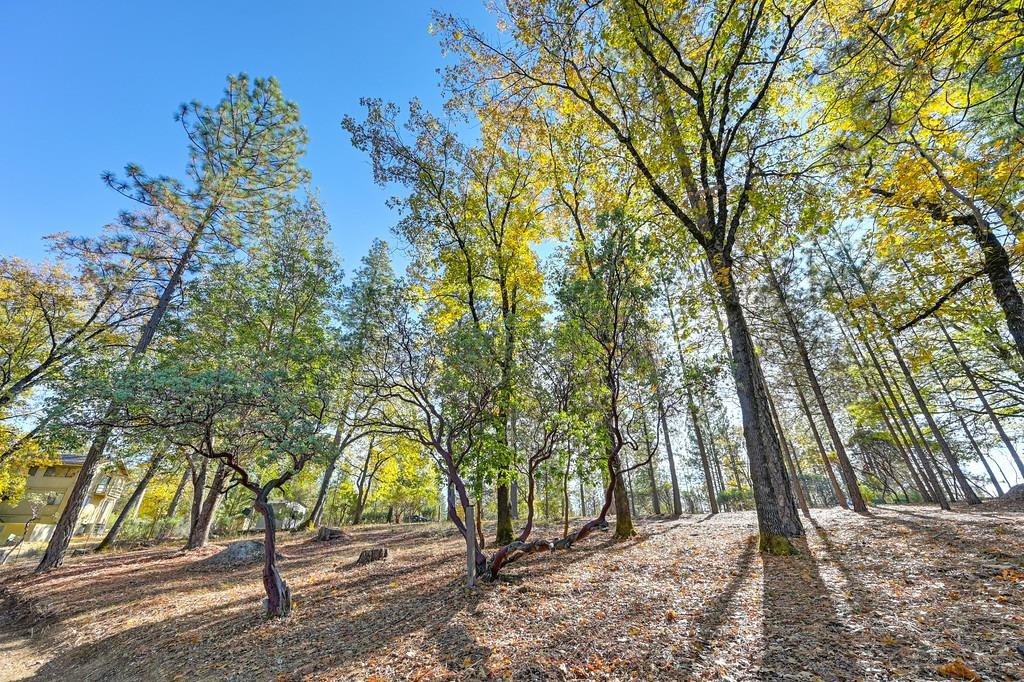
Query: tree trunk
53	557
316	513
777	517
649	446
513	492
172	509
200	533
677	504
623	518
279	600
565	496
132	502
937	493
709	484
958	474
503	534
198	492
845	466
798	487
1007	443
836	489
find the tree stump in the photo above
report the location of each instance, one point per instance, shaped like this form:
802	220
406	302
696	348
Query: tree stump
326	534
368	555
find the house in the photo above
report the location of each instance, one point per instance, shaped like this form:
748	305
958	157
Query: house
48	488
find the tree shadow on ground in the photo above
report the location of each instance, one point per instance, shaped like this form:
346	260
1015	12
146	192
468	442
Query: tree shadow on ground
803	632
935	532
234	641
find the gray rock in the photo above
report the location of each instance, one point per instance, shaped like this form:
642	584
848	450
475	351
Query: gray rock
238	554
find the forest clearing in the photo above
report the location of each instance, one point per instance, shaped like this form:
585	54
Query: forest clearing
896	596
514	339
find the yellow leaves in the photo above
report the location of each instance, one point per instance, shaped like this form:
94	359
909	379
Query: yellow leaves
958	670
670	615
1010	575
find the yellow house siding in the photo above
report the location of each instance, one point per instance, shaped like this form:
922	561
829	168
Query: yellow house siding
47	484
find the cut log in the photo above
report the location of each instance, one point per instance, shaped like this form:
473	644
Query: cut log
368	555
326	534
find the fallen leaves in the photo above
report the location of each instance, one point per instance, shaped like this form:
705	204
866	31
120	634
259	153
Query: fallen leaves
883	597
958	670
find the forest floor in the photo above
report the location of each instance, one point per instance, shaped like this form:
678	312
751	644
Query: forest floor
908	593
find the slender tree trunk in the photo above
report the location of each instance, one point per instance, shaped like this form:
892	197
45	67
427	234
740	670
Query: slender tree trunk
833	481
1007	443
172	509
132	502
845	466
883	376
705	464
677	505
316	513
649	445
565	496
514	497
204	521
778	519
958	474
64	530
279	600
798	486
583	496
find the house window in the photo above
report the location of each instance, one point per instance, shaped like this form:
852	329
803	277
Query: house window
54	497
50	471
32	471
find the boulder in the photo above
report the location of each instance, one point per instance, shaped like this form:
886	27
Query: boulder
238	554
1014	493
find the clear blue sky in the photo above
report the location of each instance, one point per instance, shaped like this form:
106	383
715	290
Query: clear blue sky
91	86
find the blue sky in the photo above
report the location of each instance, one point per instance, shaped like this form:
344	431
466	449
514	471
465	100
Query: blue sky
91	86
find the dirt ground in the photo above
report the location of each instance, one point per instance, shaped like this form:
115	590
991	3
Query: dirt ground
908	593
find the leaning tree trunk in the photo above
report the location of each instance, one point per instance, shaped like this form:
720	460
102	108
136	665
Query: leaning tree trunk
958	474
317	512
65	528
777	517
709	483
845	466
279	600
198	495
53	557
677	504
836	488
200	532
1007	443
136	496
172	509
